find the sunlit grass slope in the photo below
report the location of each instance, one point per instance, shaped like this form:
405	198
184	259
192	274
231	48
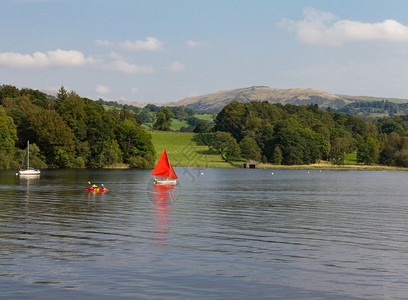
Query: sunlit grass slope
186	150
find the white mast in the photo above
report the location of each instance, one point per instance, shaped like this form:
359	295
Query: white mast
28	155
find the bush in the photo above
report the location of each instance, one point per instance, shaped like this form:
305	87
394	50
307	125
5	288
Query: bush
139	162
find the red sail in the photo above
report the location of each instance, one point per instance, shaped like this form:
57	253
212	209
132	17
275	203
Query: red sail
172	174
163	167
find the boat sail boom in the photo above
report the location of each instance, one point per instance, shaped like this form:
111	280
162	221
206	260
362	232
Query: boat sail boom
164	169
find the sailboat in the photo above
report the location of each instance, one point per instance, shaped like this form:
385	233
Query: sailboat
164	170
28	171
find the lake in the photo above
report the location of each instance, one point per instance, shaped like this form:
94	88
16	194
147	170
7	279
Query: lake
220	234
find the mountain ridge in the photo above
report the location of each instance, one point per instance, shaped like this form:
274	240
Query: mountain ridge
214	102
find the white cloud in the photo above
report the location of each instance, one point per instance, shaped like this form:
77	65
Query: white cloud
193	44
57	58
115	55
177	66
134	91
123	66
320	27
150	44
102	90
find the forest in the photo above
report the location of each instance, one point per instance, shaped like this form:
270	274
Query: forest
374	109
69	131
304	134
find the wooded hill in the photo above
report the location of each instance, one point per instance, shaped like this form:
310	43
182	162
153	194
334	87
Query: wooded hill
304	134
69	131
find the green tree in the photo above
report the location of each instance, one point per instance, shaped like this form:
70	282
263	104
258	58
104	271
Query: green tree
8	91
62	94
110	153
38	98
146	116
163	119
8	138
368	150
72	110
21	109
250	149
388	126
52	135
202	126
299	145
126	114
339	149
231	119
136	145
225	144
264	138
277	155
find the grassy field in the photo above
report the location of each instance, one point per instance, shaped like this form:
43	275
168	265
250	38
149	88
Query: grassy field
351	159
176	124
186	150
206	117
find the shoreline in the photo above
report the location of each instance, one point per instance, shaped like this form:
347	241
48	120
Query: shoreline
317	166
326	166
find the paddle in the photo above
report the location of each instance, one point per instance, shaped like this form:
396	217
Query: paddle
92	186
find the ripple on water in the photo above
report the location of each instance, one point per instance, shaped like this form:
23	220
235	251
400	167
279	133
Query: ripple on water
229	234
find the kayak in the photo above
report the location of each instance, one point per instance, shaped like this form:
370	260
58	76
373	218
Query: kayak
90	189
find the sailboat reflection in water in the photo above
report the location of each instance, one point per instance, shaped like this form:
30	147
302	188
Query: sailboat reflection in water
163	200
164	190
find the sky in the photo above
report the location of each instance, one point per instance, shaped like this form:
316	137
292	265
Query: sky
160	51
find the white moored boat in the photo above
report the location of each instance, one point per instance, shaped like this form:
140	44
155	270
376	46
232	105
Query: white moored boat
29	171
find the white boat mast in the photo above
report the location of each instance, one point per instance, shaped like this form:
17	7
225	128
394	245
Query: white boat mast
28	155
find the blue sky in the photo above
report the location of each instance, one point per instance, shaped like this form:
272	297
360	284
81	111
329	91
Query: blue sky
161	51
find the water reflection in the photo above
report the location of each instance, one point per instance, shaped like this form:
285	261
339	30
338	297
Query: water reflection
26	180
163	199
94	197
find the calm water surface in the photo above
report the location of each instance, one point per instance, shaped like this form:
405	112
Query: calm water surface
221	234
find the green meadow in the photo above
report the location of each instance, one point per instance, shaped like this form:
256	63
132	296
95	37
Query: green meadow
186	150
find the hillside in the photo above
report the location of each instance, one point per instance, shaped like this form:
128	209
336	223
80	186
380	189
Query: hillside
186	150
216	101
140	104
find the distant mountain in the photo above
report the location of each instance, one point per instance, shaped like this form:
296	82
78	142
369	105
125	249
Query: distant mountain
140	104
214	102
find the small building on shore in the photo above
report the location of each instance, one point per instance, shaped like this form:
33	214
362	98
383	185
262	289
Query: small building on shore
251	164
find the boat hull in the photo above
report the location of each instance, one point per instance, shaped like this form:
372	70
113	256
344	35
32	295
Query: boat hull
96	190
29	172
165	181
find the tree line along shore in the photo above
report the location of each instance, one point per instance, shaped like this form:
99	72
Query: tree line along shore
69	131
